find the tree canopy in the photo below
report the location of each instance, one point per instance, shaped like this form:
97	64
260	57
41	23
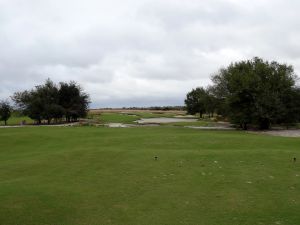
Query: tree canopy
257	92
51	101
201	100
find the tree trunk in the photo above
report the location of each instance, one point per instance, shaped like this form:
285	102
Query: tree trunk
245	127
5	122
264	124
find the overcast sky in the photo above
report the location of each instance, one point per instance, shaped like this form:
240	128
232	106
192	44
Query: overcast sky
139	52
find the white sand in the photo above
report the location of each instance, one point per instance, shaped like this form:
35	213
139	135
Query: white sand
164	120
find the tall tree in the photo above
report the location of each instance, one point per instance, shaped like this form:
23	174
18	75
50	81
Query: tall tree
73	100
48	95
195	101
5	111
211	102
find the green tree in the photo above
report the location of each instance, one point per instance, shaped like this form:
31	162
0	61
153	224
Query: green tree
211	102
5	111
73	100
30	104
202	100
195	101
258	92
48	96
50	101
39	103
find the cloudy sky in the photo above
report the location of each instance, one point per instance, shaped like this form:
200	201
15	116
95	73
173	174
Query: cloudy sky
139	52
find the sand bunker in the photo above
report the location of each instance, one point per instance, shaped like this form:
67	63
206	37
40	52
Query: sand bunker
186	116
210	128
282	133
114	125
164	120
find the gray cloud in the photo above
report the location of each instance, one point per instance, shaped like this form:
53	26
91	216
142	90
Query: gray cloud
139	53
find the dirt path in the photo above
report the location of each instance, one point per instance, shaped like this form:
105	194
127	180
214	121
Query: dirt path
210	128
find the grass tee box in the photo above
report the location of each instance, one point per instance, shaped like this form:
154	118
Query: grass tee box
90	175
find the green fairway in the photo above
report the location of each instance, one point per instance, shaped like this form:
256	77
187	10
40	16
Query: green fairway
90	175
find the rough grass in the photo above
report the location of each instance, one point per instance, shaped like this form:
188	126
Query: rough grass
89	175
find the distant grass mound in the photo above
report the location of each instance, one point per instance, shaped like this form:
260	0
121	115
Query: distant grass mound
126	117
132	117
17	120
90	175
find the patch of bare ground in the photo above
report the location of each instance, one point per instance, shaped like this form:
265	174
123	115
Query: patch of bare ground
122	125
210	128
282	133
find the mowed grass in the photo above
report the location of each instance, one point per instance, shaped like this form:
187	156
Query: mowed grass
90	175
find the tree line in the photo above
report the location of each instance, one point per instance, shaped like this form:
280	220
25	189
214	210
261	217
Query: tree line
49	102
252	92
